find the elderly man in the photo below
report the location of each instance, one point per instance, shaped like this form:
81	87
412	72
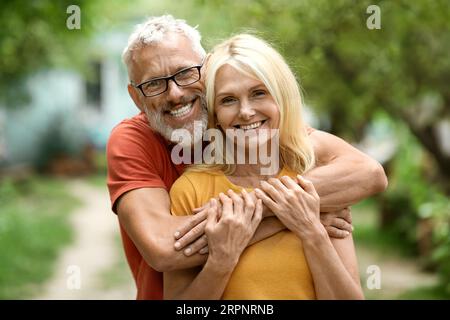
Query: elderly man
140	171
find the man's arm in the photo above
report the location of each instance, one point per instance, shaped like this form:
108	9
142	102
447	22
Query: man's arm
343	175
145	215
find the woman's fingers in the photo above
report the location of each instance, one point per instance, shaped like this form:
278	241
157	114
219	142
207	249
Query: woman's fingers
249	204
212	217
271	191
227	205
306	185
257	215
238	203
290	183
276	183
266	199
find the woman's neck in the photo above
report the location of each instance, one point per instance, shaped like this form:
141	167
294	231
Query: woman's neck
249	175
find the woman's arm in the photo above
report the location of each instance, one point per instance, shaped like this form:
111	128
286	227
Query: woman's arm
227	235
333	264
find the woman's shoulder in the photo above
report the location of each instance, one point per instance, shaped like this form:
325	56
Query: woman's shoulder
194	180
194	175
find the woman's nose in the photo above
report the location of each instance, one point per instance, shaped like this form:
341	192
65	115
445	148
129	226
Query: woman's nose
246	111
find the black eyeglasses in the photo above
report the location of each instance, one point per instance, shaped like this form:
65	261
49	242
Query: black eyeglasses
182	78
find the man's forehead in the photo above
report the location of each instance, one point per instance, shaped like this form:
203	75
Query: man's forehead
164	58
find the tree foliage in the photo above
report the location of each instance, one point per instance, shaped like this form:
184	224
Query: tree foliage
33	35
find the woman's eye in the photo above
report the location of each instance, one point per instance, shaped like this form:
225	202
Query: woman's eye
227	100
259	93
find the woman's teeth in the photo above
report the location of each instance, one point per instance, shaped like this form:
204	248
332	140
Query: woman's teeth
251	126
181	111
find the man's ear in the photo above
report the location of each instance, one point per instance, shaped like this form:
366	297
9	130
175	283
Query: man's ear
135	95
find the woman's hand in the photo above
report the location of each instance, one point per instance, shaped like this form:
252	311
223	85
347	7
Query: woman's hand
297	205
229	234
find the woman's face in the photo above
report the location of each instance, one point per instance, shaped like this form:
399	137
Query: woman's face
243	102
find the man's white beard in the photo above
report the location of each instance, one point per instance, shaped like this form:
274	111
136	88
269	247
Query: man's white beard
157	123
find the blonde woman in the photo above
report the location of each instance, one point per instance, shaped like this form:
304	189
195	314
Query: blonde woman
250	87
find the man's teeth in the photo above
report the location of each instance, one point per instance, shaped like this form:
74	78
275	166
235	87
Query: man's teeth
181	111
251	126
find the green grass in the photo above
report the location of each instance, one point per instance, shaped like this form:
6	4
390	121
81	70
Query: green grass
33	228
426	293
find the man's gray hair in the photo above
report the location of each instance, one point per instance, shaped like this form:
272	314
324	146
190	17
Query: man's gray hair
153	31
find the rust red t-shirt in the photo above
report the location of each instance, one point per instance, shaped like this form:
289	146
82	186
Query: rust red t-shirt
139	158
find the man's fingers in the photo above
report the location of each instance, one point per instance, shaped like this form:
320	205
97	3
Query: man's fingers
194	221
196	246
347	215
203	207
204	250
339	223
191	235
336	233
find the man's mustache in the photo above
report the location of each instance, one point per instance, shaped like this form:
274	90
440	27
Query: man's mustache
184	100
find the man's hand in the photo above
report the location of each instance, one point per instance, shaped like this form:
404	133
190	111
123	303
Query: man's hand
192	234
337	223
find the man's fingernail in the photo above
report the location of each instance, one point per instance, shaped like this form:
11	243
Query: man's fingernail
347	233
177	234
187	251
177	244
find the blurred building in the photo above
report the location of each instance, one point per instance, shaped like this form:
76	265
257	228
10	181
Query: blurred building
68	107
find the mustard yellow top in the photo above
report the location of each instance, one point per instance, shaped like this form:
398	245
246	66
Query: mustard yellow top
273	268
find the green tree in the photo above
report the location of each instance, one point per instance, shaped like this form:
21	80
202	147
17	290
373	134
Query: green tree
350	72
33	35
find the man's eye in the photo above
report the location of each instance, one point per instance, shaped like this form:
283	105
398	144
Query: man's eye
184	73
153	84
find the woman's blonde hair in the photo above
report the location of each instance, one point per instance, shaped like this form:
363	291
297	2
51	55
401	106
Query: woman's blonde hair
256	58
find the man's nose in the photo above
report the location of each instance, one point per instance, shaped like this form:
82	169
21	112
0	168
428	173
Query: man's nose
174	92
246	111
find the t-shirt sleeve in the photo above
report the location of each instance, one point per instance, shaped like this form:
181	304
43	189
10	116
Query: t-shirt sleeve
130	163
182	197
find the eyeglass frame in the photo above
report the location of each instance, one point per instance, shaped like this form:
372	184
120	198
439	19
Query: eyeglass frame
168	78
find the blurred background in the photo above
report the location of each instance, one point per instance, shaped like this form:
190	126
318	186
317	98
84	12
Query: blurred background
386	91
